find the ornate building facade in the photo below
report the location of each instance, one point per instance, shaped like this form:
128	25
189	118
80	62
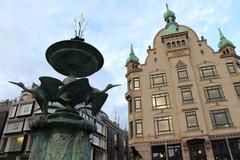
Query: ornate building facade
184	101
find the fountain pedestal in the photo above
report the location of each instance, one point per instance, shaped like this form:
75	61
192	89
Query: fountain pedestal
64	135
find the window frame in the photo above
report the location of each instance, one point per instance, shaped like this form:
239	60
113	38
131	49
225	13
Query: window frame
21	111
219	90
157	127
186	90
137	100
160	95
13	111
130	106
231	68
138	123
220	125
136	83
190	126
182	70
9	143
131	129
202	72
237	88
154	77
14	129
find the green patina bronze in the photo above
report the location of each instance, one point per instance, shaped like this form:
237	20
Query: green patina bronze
64	135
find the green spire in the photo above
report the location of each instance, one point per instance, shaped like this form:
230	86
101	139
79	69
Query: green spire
223	40
132	56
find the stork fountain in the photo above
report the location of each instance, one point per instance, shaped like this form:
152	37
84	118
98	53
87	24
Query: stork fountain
64	134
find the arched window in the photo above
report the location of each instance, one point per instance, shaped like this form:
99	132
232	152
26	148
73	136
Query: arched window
173	44
168	45
178	43
183	43
224	52
227	50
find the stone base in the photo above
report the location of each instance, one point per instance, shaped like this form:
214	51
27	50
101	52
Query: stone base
63	135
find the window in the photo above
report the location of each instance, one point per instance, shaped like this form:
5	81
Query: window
191	119
221	118
129	84
131	129
37	109
29	143
183	43
137	104
158	79
14	144
207	72
96	141
186	95
235	147
238	67
115	139
13	127
182	74
3	144
173	44
174	152
26	124
178	44
99	128
130	105
160	101
163	125
12	112
214	93
136	83
168	45
24	109
231	68
220	149
237	88
139	130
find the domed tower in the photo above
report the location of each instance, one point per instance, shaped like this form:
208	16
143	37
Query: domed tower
132	62
226	47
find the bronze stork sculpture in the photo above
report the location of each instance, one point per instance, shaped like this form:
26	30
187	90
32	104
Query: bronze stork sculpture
44	93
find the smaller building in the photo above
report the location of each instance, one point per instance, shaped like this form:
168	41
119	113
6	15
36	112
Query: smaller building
108	143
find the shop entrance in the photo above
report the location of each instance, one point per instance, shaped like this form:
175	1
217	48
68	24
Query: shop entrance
196	149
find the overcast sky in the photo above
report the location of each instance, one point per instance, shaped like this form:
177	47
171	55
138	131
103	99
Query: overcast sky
28	27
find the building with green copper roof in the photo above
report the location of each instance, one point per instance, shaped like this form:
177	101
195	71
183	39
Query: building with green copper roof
183	101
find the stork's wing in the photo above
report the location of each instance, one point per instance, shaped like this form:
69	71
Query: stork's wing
50	85
97	102
76	89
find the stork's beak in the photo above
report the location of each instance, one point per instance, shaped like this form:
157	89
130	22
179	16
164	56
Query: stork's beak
13	82
115	85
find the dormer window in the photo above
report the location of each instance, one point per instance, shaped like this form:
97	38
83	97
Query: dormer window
168	45
178	44
173	44
227	50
